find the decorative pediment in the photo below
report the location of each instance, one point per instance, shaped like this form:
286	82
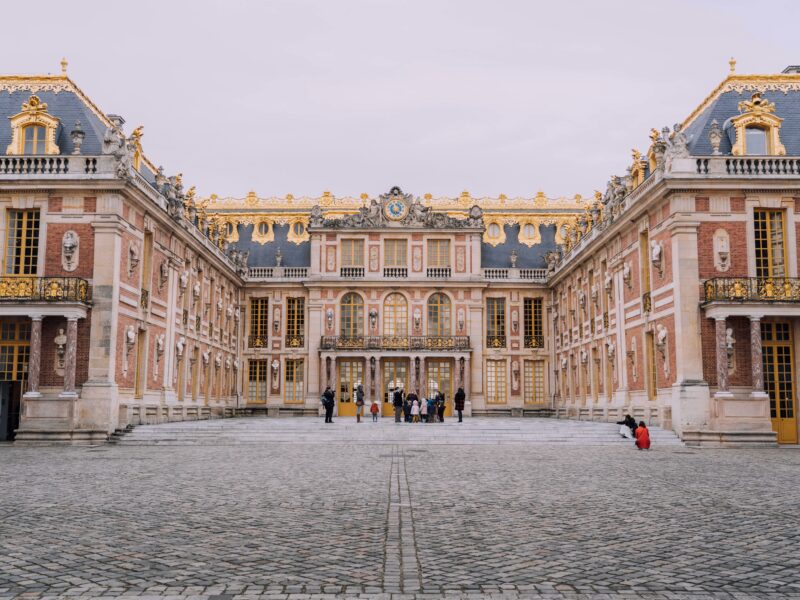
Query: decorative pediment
26	126
397	209
758	112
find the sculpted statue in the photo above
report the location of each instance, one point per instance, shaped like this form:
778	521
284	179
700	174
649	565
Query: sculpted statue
715	137
661	337
551	259
476	216
316	219
677	146
179	346
611	350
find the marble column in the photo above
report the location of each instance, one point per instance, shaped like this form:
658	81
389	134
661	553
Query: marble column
35	357
70	358
722	354
755	355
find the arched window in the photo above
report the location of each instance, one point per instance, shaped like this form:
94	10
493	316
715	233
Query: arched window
352	316
755	142
395	315
33	139
438	315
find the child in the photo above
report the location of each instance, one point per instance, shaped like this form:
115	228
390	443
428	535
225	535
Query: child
374	410
415	411
642	437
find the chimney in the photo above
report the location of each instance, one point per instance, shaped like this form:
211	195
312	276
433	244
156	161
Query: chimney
792	70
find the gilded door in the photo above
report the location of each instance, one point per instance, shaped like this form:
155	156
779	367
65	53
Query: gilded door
440	379
351	373
778	363
395	374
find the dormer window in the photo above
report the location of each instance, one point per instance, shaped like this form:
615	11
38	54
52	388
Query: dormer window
33	138
33	131
757	128
755	141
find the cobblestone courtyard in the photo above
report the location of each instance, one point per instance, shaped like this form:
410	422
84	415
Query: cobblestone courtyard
380	520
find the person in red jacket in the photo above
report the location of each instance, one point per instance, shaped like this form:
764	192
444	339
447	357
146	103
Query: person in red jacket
642	435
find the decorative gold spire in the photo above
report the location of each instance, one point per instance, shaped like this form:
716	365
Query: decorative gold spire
732	63
64	64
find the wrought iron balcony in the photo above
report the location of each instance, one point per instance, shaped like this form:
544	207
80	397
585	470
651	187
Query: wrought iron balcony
647	302
495	341
144	299
258	341
295	341
45	289
534	341
395	342
752	289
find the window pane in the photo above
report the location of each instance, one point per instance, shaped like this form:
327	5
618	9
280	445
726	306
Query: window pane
755	141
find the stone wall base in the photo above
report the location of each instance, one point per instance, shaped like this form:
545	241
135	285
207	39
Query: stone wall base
730	439
279	411
78	437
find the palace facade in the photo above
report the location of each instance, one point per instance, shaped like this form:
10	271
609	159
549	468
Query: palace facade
673	295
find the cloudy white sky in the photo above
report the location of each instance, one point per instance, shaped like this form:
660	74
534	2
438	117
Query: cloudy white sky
439	96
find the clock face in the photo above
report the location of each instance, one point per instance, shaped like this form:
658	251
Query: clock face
396	210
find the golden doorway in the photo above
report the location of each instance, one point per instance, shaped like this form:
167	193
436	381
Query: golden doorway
395	375
351	373
778	363
440	379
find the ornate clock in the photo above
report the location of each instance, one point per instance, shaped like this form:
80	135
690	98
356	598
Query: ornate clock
396	209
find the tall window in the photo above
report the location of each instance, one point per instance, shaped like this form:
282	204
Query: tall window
438	253
534	382
532	323
14	350
770	246
22	245
394	253
755	141
293	392
295	321
395	315
495	381
438	315
652	371
352	253
352	316
33	139
259	321
495	322
259	377
644	260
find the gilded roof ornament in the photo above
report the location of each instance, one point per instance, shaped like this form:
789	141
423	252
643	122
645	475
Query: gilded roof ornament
34	105
732	64
757	105
64	64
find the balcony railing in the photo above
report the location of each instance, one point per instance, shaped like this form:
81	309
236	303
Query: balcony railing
753	289
258	341
277	272
439	272
144	299
395	272
295	341
495	341
392	342
45	289
764	166
534	341
493	273
351	272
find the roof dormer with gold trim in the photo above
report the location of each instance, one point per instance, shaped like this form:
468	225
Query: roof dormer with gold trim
757	113
33	130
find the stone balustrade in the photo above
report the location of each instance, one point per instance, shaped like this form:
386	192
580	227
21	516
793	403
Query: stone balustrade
750	166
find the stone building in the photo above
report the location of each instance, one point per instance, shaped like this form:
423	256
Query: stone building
126	299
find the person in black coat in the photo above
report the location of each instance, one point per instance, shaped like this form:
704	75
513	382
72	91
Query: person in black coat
459	400
440	407
327	402
398	404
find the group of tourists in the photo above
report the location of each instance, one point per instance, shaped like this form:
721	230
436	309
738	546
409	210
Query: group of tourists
631	431
407	408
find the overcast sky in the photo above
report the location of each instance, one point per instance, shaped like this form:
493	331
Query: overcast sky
436	96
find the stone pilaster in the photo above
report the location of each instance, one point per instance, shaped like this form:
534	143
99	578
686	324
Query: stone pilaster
722	355
755	355
35	357
70	355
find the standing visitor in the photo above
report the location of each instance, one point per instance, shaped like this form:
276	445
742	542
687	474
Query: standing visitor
397	401
642	437
415	411
327	402
423	411
359	402
374	410
407	409
460	398
431	412
440	406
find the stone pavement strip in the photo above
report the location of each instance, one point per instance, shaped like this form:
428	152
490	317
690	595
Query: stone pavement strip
348	518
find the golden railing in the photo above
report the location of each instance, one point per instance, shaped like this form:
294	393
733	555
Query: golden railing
753	289
396	342
45	289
